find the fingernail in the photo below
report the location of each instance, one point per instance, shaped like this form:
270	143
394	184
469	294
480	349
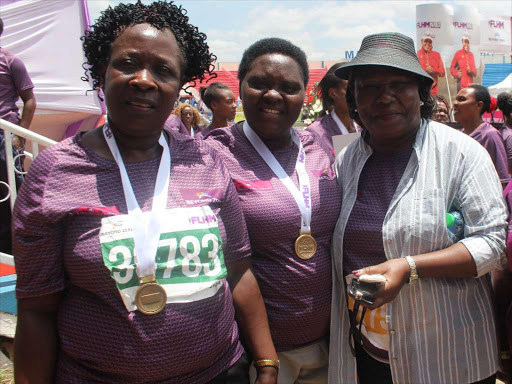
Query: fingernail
355	272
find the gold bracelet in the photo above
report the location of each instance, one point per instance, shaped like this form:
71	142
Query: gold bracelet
266	363
505	355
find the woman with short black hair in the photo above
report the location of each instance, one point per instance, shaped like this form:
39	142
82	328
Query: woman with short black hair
469	106
290	200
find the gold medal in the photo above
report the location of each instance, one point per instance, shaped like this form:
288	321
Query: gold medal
305	246
151	297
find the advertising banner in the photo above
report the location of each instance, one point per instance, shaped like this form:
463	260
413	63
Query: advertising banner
434	40
465	68
448	41
495	35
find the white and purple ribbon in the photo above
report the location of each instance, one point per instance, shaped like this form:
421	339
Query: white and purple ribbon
302	195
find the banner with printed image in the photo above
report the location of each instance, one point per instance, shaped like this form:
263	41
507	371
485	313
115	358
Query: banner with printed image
451	35
434	41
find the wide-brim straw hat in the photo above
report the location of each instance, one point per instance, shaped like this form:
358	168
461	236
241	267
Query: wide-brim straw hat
388	49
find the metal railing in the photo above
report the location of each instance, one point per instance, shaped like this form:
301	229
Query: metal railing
36	140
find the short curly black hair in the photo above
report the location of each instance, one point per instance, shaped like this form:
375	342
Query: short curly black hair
424	88
97	43
273	45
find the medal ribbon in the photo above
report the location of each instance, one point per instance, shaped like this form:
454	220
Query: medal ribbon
146	228
303	196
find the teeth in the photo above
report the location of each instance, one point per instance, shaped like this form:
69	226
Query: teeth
274	111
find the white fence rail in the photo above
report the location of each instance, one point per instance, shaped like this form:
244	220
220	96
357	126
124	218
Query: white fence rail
36	140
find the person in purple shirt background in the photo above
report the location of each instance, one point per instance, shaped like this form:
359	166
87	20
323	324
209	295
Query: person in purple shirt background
334	119
220	99
505	105
296	287
84	311
15	83
469	106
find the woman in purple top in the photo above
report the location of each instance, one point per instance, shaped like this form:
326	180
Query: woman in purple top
505	105
126	236
334	119
290	200
220	99
469	106
189	116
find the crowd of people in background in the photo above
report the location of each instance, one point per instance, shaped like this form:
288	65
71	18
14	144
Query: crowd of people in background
175	245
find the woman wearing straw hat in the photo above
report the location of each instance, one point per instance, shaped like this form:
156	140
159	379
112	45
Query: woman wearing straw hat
431	321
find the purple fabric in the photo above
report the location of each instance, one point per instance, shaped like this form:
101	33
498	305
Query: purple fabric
205	132
297	293
175	124
14	79
490	139
325	128
57	218
506	135
362	245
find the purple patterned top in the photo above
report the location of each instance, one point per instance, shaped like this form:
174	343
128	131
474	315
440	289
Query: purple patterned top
57	217
14	79
325	128
491	140
205	132
297	293
506	135
363	234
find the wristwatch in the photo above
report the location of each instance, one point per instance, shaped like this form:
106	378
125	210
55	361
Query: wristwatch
413	277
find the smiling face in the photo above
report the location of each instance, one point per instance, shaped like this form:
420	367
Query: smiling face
465	45
465	106
142	79
272	92
388	104
426	44
224	106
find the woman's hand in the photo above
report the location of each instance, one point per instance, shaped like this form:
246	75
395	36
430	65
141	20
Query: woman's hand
266	375
396	272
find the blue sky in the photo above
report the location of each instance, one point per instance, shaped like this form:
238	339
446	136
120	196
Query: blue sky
324	29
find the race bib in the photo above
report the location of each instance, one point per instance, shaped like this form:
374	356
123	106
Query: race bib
189	260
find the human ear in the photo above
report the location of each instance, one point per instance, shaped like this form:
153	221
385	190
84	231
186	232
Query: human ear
333	93
480	105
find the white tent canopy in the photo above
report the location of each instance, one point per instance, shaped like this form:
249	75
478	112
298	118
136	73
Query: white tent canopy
504	86
45	35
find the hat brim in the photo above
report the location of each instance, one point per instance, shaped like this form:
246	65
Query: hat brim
383	57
